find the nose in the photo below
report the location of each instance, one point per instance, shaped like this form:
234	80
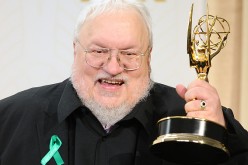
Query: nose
113	66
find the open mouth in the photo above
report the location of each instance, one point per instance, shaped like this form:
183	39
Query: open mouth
118	82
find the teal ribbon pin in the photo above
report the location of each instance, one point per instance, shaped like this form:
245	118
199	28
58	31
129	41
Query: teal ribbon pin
55	144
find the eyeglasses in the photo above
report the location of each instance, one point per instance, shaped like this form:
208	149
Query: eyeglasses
127	59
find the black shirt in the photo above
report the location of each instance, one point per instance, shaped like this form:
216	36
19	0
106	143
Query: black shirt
29	119
121	145
127	142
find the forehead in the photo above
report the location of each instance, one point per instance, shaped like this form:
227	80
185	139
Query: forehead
115	29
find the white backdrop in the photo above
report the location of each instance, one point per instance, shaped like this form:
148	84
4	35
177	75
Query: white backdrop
36	41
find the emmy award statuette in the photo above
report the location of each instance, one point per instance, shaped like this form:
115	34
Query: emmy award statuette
191	140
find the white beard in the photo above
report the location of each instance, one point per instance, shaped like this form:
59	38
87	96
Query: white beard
108	115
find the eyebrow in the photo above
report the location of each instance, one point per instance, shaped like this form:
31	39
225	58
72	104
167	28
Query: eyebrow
95	45
102	44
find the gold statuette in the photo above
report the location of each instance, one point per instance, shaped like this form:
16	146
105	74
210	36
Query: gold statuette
189	140
209	36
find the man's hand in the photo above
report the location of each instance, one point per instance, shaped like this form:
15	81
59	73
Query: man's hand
196	92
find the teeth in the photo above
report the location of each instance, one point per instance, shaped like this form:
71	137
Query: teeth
112	82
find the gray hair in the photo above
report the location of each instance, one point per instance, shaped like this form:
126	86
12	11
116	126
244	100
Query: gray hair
97	8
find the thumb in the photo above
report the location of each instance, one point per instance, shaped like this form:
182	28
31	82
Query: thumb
181	90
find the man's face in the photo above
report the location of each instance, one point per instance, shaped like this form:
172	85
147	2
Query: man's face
111	86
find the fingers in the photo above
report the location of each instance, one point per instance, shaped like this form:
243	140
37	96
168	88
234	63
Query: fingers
200	90
196	105
198	82
181	90
194	95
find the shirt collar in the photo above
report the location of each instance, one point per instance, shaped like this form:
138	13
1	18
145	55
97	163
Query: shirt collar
143	113
68	103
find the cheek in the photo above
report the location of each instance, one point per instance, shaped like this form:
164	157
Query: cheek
82	67
145	69
139	78
83	73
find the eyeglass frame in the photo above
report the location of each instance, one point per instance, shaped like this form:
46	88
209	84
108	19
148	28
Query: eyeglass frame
110	56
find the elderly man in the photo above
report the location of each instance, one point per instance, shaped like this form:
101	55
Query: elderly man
106	113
